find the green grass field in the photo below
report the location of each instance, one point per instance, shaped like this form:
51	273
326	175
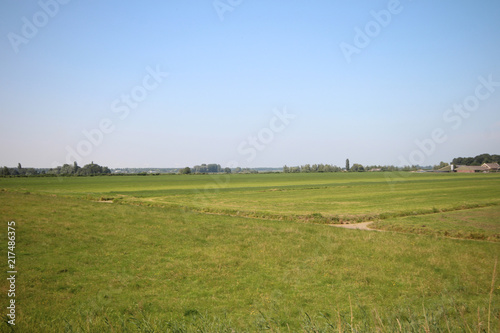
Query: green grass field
172	254
320	198
479	223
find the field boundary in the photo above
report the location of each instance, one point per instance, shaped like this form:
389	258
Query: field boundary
359	222
317	218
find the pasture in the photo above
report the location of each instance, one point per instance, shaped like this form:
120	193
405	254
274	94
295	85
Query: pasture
255	252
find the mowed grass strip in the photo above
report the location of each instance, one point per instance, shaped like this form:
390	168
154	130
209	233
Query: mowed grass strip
93	267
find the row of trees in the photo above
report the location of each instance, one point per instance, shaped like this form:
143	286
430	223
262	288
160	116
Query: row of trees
87	170
19	171
214	168
64	170
95	169
440	165
357	168
478	160
311	168
308	168
206	168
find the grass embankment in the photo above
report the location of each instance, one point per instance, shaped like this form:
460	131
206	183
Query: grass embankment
92	267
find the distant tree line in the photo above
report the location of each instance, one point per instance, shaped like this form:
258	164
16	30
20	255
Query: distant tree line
307	168
95	169
478	160
214	168
64	170
19	171
87	170
245	170
142	171
440	165
393	168
207	168
311	168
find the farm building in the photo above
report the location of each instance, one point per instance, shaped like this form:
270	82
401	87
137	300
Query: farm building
471	169
491	166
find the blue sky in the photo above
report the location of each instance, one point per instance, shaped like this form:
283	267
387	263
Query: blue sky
226	68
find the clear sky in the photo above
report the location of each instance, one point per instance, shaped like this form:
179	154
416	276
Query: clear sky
248	83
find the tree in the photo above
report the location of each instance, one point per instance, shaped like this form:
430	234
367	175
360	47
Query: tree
214	168
204	168
286	169
477	160
93	169
441	165
357	168
227	170
5	171
185	171
66	169
30	172
347	165
200	168
19	170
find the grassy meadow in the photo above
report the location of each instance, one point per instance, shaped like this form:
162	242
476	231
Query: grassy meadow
320	198
201	253
478	223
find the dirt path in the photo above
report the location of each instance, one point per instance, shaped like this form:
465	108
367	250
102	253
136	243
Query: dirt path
360	226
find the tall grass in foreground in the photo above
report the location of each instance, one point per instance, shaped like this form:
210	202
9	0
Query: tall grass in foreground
357	319
95	267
